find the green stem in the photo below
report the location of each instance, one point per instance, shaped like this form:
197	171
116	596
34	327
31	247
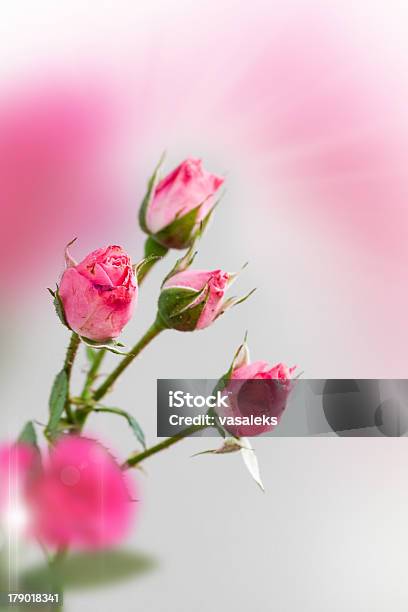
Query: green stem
68	363
57	576
151	248
153	331
144	271
93	373
59	556
132	461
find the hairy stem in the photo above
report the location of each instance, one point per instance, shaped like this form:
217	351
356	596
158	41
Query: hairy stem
153	331
151	248
136	459
93	373
68	363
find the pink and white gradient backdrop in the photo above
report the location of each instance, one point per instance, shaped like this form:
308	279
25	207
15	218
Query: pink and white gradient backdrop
303	104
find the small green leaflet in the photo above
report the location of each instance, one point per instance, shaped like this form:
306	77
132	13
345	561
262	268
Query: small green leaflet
28	435
137	430
58	398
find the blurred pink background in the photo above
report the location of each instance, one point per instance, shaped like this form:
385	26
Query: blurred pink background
303	105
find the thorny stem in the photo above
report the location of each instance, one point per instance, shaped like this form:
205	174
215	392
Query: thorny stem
68	363
136	459
93	373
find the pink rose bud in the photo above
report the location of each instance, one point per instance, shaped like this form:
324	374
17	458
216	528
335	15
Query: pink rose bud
257	395
173	210
99	294
193	299
82	499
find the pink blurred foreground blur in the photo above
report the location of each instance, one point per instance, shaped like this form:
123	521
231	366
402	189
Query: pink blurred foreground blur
80	498
56	172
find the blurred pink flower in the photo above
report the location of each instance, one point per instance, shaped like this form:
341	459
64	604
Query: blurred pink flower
18	464
99	294
83	499
57	179
188	187
16	461
193	299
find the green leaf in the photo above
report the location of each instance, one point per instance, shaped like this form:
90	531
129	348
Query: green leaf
151	185
58	398
109	345
88	570
28	435
137	430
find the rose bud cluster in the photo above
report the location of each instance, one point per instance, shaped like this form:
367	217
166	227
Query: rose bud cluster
99	294
80	498
257	395
174	209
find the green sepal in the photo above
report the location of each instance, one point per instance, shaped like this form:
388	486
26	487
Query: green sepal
181	264
151	185
231	445
109	345
179	234
59	308
204	223
180	308
152	247
234	301
241	355
184	230
141	269
225	379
